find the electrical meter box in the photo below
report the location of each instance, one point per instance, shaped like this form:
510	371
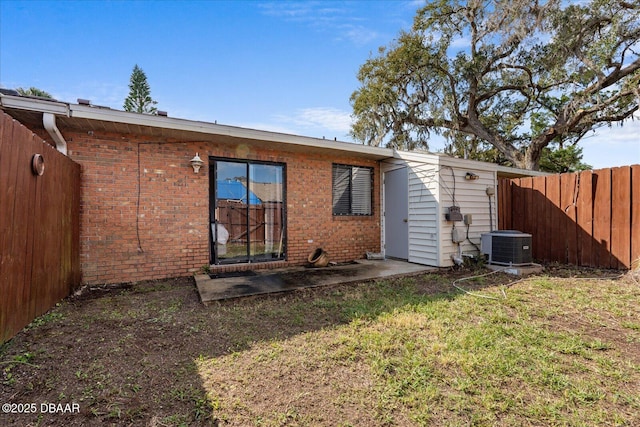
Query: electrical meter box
453	214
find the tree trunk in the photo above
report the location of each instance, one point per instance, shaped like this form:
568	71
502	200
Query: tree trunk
531	159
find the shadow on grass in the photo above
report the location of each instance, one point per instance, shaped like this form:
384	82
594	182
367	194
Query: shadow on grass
131	355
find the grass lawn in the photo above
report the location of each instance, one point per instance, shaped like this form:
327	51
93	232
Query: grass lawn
549	350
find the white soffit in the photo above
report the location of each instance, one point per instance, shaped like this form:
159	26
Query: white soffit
89	112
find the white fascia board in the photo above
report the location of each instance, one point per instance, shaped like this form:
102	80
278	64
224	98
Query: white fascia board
486	166
31	104
116	116
416	156
467	163
522	172
446	160
103	114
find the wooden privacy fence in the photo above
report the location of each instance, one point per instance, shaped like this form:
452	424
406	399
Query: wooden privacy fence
591	218
264	220
39	227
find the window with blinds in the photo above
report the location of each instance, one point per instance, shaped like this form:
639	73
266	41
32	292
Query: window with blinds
352	186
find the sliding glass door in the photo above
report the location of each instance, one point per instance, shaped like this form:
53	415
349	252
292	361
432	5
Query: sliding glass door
247	211
267	183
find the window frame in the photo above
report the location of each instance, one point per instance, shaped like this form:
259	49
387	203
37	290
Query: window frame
354	204
214	258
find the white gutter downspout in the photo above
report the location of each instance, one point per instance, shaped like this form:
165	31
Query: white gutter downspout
49	122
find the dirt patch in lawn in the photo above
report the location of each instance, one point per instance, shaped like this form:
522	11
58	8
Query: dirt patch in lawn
151	354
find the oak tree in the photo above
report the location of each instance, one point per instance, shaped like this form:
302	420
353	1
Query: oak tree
518	75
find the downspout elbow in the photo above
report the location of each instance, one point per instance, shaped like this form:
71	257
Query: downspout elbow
49	122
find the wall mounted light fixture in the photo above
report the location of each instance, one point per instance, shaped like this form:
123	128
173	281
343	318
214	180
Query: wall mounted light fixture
470	176
196	163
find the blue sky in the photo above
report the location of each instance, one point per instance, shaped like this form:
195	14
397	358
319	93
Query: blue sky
273	65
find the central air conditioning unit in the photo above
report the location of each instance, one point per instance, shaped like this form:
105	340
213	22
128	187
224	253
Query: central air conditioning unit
507	247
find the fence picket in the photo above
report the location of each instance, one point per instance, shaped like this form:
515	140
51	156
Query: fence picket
504	204
568	203
602	217
635	216
591	218
584	219
621	217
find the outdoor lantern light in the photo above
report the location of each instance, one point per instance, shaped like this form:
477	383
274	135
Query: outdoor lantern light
196	163
470	176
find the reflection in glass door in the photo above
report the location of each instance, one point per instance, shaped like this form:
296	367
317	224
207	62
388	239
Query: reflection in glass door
266	219
247	215
231	211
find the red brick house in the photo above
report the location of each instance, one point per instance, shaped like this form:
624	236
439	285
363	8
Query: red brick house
145	213
260	200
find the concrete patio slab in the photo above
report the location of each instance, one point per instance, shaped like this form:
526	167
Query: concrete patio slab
521	270
270	281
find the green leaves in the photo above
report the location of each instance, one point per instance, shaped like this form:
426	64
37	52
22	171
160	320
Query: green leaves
493	69
139	99
34	91
559	160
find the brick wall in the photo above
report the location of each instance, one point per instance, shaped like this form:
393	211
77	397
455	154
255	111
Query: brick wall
152	221
310	217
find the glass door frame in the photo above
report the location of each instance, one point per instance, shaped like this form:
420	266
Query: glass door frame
214	257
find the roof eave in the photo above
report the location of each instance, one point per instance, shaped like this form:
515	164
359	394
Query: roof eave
33	104
443	158
115	116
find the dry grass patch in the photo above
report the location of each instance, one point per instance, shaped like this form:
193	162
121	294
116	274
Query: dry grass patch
556	351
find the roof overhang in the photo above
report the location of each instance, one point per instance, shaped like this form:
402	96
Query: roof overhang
79	117
83	118
507	172
447	160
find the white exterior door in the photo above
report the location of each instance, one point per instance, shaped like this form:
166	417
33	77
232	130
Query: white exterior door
396	214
